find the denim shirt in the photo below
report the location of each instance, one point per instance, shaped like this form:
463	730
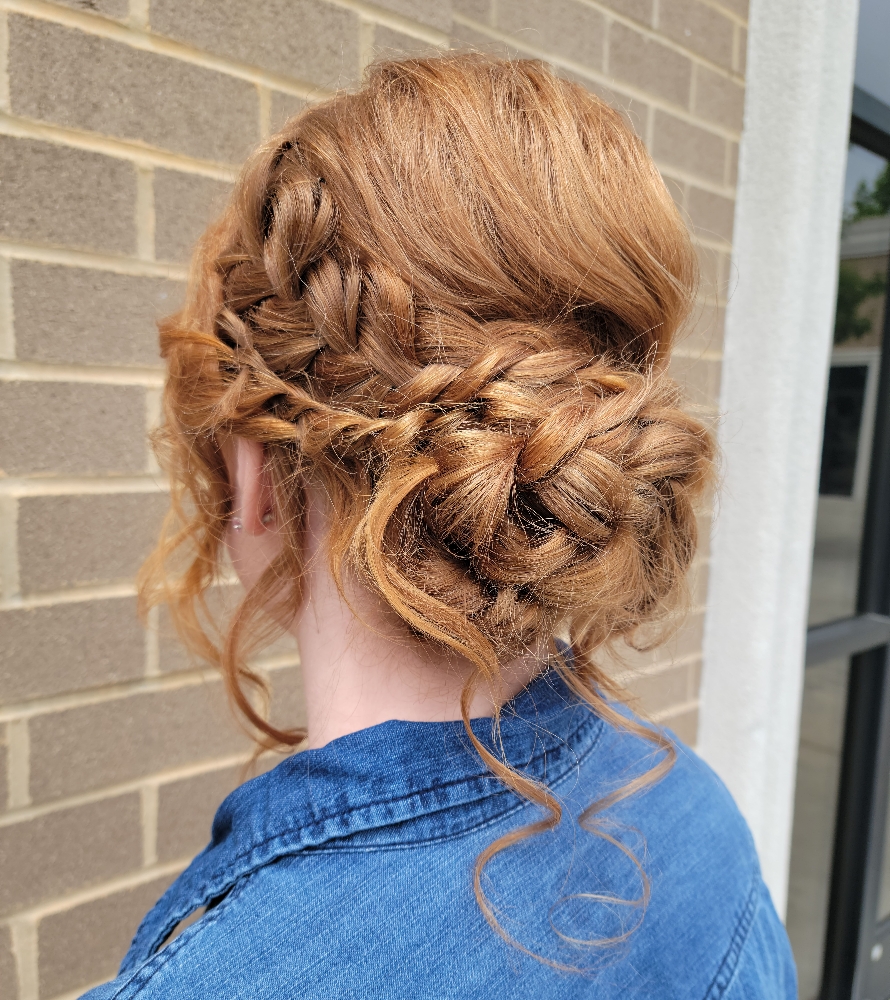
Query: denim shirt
348	872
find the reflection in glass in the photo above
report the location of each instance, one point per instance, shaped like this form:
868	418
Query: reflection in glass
852	387
815	800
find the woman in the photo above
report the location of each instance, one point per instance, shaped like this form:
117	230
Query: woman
418	395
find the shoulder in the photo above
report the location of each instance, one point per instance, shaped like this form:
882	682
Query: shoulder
708	911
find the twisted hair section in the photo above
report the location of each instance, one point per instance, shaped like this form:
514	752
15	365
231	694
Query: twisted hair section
449	299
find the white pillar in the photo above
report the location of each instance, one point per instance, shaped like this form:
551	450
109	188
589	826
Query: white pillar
776	355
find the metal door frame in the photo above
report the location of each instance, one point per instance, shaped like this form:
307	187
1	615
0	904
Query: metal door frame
857	946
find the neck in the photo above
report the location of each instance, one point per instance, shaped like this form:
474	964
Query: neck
360	666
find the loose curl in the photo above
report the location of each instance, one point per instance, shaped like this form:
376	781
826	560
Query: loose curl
449	299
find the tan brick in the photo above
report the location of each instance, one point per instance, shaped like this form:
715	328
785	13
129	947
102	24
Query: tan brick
697	27
105	86
659	691
639	10
69	647
282	107
710	214
699	379
186	809
91	746
739	7
718	99
119	9
4	765
677	143
221	603
742	52
684	641
564	27
81	316
478	10
468	39
647	64
303	39
389	44
184	205
732	163
684	725
8	977
54	194
704	331
435	13
71	428
85	944
46	857
67	541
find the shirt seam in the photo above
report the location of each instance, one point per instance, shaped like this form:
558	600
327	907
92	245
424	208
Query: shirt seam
726	972
466	831
488	778
226	876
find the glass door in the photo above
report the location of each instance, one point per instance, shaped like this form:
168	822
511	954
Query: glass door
839	891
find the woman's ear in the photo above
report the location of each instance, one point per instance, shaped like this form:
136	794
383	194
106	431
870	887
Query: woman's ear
251	495
251	536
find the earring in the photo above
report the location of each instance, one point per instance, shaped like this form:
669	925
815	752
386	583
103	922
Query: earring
267	518
237	524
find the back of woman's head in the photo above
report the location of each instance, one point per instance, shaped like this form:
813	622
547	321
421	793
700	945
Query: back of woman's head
448	299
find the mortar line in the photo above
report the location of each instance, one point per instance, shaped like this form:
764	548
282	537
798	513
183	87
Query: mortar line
7	319
67	257
132	150
129	881
104	27
397	22
87	486
153	643
4	62
629	674
72	595
23	932
137	15
125	689
148	813
10	581
153	420
166	777
264	103
597	76
145	211
18	748
638	25
365	43
673	710
36	371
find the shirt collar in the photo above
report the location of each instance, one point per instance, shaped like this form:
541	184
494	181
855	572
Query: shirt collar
397	782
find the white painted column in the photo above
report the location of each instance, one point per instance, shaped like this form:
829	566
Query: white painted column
776	356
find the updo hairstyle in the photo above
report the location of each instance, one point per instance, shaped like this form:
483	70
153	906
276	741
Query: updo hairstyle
448	299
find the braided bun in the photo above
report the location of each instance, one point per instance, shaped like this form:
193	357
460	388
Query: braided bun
449	298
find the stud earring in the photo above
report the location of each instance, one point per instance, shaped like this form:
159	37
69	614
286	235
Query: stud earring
267	518
237	524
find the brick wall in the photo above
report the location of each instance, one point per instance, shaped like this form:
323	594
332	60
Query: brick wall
122	123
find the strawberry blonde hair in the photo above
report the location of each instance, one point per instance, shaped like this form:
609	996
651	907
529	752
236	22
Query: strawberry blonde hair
449	299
